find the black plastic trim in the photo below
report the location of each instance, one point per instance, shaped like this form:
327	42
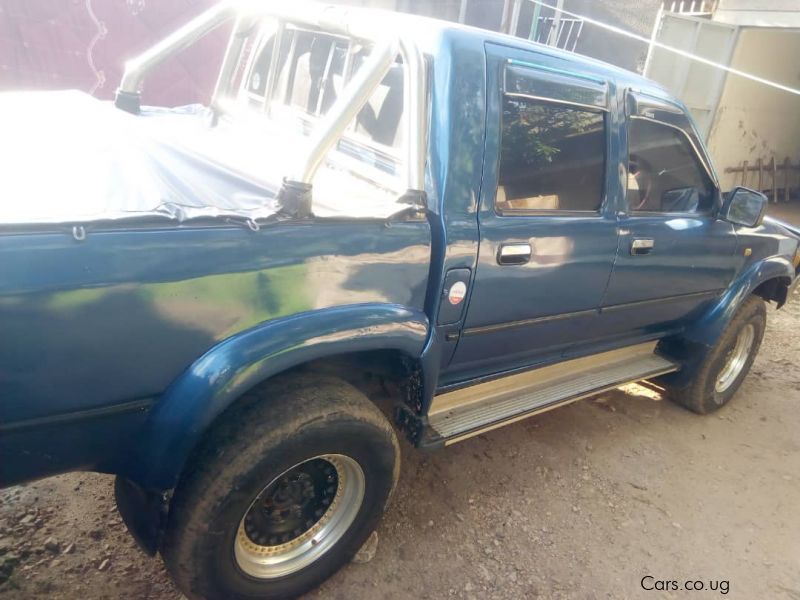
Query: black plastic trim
581	313
294	198
526	322
128	101
80	415
144	512
710	294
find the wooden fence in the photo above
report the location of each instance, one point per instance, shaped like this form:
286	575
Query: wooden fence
777	180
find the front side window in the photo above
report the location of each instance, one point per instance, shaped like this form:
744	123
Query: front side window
552	157
664	173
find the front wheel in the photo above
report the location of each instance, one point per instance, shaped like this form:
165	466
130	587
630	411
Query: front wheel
283	492
723	369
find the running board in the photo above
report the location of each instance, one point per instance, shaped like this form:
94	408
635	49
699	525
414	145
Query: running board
460	414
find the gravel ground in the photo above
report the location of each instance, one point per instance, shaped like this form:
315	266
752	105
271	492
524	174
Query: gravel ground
582	502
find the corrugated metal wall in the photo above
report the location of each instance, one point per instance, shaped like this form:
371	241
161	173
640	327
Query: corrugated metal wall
83	44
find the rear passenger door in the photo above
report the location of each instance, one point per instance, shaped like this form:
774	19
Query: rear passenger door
675	256
547	228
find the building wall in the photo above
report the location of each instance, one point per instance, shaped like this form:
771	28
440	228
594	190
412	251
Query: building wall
84	45
637	16
72	44
753	120
760	13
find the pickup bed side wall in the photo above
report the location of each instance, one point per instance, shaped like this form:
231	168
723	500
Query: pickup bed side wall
93	332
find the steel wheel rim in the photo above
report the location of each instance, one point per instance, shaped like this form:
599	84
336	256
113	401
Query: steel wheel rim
737	358
269	560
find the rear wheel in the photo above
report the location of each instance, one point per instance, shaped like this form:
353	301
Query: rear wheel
282	493
723	369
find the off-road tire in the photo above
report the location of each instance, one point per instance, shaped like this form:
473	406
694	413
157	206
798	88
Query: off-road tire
700	394
276	426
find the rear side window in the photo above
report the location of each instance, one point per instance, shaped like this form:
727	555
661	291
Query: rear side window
552	157
312	70
664	172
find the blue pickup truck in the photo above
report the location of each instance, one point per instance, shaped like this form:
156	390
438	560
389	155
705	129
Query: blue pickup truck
381	225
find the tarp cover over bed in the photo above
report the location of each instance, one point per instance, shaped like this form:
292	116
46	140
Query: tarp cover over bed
69	158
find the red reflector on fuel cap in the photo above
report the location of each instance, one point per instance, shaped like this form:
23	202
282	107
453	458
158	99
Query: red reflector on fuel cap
457	292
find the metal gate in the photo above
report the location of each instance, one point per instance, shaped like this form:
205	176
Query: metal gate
697	84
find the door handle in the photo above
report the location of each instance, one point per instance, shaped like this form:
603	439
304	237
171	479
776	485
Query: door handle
642	246
514	254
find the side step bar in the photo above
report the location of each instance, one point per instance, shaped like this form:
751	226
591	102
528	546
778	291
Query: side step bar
463	413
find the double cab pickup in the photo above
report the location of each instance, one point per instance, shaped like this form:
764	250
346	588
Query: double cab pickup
379	226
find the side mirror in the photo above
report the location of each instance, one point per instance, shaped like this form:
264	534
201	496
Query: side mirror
744	207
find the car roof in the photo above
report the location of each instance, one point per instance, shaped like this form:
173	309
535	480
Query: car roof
429	33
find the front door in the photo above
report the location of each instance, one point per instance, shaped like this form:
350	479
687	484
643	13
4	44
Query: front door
548	233
675	256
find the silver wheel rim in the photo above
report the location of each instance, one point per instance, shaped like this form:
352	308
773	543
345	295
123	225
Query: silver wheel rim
268	560
737	358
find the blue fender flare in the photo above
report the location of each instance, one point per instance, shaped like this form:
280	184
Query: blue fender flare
695	343
711	326
192	402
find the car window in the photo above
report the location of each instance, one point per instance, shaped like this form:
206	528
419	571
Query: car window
552	157
664	173
309	72
380	118
312	69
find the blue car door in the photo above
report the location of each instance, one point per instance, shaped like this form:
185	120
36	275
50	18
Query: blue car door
548	234
675	256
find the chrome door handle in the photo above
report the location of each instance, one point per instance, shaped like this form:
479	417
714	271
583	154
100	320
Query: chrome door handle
514	254
642	246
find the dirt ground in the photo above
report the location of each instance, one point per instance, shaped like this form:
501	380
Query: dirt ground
581	502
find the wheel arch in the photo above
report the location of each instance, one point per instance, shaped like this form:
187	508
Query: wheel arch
775	290
194	401
765	279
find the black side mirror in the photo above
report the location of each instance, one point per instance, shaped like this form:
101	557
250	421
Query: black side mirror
744	207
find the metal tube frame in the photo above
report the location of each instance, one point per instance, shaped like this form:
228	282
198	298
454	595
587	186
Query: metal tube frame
333	19
354	97
183	37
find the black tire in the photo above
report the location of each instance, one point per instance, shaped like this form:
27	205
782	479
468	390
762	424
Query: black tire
701	395
276	427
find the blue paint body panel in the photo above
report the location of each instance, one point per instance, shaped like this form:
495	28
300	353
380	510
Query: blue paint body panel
569	252
117	352
132	314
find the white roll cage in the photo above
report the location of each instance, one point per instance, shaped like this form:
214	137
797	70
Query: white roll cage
353	23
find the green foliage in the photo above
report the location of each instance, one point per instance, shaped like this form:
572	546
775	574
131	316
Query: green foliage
533	132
